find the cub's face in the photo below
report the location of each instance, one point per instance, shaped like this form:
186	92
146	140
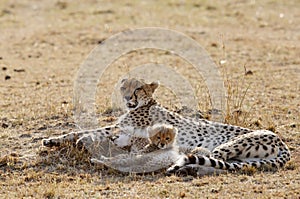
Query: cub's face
162	136
137	93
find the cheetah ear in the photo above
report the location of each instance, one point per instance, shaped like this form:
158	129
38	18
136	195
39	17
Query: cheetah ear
149	131
154	85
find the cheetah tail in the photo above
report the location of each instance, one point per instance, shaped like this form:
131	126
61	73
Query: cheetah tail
191	159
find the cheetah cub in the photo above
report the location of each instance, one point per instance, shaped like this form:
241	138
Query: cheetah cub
161	150
161	136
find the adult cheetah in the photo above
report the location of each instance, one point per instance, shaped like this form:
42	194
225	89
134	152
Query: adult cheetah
224	142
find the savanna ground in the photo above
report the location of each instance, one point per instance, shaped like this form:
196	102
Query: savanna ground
256	44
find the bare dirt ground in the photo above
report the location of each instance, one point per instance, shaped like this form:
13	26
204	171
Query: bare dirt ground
43	43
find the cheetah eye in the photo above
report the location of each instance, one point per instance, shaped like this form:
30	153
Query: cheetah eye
158	137
167	138
137	90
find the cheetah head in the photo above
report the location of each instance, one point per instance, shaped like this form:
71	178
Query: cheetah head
137	93
162	135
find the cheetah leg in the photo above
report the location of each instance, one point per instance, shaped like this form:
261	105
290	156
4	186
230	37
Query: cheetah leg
253	146
141	163
85	137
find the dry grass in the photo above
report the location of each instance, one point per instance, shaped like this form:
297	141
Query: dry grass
44	42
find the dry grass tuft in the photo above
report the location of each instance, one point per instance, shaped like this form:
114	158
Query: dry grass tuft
9	160
248	170
66	156
50	193
291	165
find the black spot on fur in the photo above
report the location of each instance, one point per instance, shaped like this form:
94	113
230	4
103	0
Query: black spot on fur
271	137
221	165
192	159
213	162
254	164
248	155
172	117
248	148
227	165
265	147
267	155
201	160
281	164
